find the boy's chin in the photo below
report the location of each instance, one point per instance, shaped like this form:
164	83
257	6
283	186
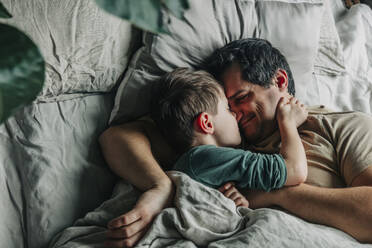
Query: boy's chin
237	144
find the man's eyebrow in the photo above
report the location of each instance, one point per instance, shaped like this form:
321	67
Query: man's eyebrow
236	93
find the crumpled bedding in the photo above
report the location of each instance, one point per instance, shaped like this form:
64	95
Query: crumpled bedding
52	171
351	88
86	50
203	217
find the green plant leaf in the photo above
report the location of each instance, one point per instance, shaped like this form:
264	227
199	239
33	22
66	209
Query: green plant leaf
3	12
145	14
22	71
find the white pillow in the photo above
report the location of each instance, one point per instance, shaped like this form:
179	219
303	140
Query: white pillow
211	24
330	57
86	49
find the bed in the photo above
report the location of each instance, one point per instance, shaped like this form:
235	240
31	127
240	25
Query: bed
56	189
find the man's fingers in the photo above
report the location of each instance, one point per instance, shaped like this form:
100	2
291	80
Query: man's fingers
127	231
129	242
126	219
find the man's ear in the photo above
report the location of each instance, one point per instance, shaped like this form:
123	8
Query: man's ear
281	79
204	123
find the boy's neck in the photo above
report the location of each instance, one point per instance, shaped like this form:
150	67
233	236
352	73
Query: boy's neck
204	139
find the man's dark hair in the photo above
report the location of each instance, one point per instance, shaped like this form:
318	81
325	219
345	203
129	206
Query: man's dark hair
178	98
258	60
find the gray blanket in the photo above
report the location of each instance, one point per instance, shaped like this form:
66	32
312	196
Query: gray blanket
203	217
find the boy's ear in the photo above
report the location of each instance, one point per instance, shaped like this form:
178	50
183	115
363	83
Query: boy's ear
204	123
281	79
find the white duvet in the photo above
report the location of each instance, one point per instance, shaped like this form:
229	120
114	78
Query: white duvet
203	217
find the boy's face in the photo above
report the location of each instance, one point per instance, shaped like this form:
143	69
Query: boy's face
226	130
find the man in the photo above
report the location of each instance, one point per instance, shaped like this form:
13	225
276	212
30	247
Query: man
255	76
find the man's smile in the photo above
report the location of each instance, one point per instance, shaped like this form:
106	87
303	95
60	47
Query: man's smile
245	121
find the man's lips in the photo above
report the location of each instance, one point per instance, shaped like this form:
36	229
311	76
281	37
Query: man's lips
245	121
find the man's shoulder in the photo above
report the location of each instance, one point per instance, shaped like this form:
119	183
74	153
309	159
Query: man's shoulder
321	109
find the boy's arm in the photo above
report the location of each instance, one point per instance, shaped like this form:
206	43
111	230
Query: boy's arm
127	150
292	150
213	166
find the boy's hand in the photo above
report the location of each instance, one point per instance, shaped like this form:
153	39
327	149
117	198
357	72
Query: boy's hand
231	192
291	110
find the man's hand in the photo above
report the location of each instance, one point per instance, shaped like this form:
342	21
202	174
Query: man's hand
126	230
231	192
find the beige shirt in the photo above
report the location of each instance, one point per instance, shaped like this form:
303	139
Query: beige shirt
338	146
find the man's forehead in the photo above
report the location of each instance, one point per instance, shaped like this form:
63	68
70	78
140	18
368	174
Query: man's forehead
232	90
233	82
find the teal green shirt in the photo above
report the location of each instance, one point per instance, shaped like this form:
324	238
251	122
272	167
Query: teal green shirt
213	166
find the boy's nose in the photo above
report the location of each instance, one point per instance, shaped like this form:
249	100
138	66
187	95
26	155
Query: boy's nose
238	116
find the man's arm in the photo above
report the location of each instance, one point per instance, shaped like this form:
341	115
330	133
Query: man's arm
127	150
348	209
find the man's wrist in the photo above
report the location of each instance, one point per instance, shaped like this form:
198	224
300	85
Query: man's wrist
283	196
165	182
279	196
167	186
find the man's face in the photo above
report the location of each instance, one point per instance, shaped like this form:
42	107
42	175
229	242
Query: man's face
255	106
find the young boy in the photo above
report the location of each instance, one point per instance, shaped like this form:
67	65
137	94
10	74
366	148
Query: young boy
192	112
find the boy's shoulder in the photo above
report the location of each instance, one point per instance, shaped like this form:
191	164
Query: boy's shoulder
212	153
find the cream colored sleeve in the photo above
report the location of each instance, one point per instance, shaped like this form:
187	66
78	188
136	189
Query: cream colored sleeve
352	134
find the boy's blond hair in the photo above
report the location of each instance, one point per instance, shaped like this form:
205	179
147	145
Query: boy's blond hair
180	96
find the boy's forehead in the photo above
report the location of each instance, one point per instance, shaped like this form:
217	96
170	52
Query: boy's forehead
222	96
